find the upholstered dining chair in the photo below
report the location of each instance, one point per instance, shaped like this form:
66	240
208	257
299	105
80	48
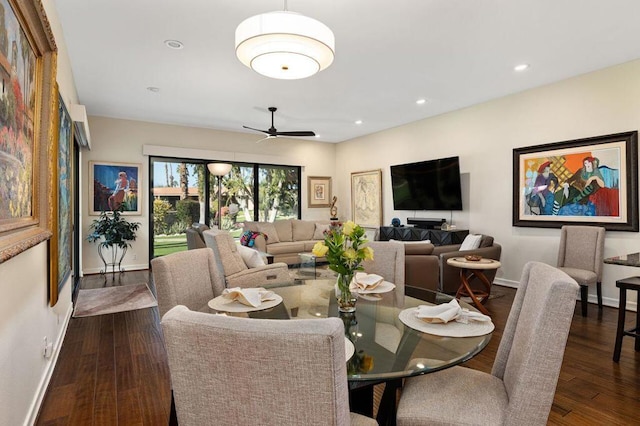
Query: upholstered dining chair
388	262
581	256
187	278
240	371
233	269
522	383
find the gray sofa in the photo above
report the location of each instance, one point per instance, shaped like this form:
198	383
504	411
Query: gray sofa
287	238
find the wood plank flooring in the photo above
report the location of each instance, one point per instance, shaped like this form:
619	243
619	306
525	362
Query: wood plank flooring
112	369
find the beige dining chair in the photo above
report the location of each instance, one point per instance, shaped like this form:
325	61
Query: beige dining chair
187	278
239	371
388	262
581	256
522	383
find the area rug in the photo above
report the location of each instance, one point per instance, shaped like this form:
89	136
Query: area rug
109	300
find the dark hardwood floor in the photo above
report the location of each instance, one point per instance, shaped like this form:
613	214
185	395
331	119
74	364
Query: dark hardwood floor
112	369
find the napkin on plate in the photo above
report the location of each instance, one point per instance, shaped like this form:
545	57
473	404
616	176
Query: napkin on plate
364	281
448	312
248	296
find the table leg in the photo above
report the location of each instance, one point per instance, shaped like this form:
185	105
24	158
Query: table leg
361	399
620	331
387	408
465	289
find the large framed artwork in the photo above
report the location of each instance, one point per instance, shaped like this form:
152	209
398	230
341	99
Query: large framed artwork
319	189
60	243
27	117
114	186
366	198
592	181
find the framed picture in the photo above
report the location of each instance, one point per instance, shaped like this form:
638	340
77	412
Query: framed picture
114	186
319	189
60	243
366	198
591	181
27	117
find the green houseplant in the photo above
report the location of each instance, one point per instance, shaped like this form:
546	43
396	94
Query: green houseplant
112	233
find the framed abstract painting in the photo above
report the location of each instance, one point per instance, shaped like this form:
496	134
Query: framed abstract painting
114	186
592	181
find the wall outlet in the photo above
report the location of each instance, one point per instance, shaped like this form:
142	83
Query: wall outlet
135	256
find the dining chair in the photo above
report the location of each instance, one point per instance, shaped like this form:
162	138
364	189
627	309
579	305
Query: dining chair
388	262
238	371
522	383
581	256
187	278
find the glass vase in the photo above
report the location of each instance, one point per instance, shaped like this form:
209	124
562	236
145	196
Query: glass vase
346	299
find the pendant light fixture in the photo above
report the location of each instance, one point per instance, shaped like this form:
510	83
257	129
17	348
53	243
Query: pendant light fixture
284	45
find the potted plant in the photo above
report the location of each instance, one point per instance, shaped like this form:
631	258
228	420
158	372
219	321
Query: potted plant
113	233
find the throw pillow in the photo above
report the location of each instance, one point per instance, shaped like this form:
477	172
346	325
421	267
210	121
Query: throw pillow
251	257
248	238
471	242
319	232
269	229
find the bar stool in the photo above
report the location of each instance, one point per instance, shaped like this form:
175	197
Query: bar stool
632	283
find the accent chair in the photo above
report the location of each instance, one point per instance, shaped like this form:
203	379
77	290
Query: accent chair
522	383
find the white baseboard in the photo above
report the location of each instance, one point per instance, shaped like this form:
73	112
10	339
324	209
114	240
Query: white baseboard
141	267
593	298
34	409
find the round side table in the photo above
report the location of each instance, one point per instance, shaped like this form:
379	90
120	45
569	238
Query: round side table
470	268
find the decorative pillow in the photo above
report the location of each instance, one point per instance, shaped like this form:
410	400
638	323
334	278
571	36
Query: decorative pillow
251	257
486	241
471	242
248	238
270	230
319	232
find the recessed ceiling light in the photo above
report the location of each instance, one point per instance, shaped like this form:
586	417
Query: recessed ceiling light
521	67
358	121
153	89
173	44
317	136
421	101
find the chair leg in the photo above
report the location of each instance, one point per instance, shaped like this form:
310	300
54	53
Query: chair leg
584	295
599	289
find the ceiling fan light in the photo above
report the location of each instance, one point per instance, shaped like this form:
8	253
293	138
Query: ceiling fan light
284	45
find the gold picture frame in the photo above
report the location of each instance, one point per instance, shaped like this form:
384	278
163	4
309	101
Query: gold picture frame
35	141
319	191
366	198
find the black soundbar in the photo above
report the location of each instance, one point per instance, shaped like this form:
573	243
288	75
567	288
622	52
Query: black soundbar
426	223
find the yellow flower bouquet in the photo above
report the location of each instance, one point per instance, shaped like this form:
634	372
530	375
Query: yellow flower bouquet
345	250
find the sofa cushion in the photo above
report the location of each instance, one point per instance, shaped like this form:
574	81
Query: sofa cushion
270	230
417	248
308	245
486	241
319	232
302	230
283	228
250	226
252	258
471	242
286	248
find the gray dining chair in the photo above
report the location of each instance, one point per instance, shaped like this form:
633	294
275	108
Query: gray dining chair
187	278
522	383
581	256
239	371
388	262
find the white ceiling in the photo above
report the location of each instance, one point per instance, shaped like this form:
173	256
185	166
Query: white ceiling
454	53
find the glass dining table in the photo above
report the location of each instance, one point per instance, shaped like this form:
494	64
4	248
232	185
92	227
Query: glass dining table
386	350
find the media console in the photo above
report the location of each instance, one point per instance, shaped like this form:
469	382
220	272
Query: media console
426	223
409	233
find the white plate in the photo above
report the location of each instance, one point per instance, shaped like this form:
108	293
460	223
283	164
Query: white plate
349	349
383	287
223	304
450	329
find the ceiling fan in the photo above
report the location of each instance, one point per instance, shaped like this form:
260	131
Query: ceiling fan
272	132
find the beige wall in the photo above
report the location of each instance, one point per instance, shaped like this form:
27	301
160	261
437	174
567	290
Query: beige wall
25	316
484	136
124	141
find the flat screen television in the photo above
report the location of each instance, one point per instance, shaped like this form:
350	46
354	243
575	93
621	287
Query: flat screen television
427	185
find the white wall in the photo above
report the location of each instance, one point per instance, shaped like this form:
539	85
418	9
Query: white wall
25	316
484	136
123	140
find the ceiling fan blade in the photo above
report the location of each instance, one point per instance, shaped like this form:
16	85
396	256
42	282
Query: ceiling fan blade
265	138
257	130
297	133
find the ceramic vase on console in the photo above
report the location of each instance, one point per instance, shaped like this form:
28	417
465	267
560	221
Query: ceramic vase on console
346	299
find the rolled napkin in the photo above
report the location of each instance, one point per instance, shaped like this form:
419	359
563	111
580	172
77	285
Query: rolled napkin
364	281
446	312
248	296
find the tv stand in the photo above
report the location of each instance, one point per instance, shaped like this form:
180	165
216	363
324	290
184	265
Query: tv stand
426	223
412	233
